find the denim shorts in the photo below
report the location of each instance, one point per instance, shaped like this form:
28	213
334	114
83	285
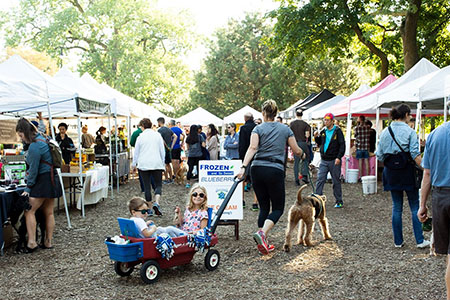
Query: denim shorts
362	154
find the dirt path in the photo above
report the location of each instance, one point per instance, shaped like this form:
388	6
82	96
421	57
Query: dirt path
359	263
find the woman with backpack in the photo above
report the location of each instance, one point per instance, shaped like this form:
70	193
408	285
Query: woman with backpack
43	185
194	144
397	147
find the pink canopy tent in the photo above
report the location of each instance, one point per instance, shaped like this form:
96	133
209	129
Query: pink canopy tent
342	108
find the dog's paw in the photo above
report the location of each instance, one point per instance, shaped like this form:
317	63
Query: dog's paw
286	248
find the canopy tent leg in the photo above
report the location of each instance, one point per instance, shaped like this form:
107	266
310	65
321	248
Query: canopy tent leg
446	107
110	155
58	171
376	143
116	131
348	143
80	164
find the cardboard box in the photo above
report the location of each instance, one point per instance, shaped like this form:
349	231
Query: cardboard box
74	169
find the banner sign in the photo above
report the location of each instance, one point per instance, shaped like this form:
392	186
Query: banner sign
217	176
88	106
99	178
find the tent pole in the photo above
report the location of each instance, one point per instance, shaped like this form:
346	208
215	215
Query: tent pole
58	170
376	143
446	108
80	164
110	154
116	131
348	142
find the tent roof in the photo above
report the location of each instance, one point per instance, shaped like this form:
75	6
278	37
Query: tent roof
319	110
200	116
390	94
119	102
319	98
289	112
16	95
365	99
16	68
238	116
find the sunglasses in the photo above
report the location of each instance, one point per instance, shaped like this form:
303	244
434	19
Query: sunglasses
143	211
195	194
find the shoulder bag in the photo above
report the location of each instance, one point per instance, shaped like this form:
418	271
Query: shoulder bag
404	158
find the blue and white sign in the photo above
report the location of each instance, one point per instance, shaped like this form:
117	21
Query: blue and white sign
217	176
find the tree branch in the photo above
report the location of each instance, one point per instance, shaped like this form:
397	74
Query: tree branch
77	5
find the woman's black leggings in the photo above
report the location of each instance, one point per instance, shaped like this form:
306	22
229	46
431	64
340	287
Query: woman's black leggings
268	184
192	161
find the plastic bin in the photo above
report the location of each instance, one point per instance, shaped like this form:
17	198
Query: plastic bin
369	184
352	175
125	253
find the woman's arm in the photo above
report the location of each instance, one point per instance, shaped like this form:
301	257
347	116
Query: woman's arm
33	160
295	148
251	151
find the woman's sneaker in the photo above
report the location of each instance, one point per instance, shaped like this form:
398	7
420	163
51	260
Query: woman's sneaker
260	239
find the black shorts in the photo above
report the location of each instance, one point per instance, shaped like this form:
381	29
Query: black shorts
44	188
176	153
441	220
168	157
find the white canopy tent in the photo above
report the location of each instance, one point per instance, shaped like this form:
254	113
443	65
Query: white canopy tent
16	95
238	116
64	99
200	116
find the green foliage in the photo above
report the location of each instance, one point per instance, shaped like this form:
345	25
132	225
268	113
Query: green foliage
126	43
242	70
304	29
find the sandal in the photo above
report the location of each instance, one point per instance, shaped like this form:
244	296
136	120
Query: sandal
30	250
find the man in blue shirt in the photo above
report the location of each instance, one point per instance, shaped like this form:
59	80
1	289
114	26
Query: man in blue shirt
437	175
332	147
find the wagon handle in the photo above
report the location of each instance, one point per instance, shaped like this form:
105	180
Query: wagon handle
224	204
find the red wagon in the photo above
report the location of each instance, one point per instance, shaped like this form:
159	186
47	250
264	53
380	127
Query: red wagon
143	250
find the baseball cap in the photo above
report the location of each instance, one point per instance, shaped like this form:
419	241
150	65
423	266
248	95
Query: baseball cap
329	116
35	123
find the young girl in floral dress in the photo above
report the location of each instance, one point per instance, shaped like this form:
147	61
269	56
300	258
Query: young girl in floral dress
195	216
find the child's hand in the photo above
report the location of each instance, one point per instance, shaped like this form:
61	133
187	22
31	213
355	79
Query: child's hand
150	223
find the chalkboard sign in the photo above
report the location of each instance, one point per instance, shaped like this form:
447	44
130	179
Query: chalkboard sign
8	132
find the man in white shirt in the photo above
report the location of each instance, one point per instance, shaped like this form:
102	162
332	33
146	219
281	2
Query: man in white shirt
149	154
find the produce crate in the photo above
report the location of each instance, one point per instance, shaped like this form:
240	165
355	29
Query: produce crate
125	253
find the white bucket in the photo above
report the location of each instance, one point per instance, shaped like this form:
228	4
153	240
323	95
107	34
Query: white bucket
352	175
369	183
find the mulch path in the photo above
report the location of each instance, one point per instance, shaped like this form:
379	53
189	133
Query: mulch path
359	263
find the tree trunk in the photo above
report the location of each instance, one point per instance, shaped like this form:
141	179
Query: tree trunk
408	31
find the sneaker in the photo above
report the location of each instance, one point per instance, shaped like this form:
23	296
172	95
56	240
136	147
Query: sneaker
297	182
246	188
255	207
424	244
305	180
157	209
260	239
271	248
188	185
399	246
243	204
338	205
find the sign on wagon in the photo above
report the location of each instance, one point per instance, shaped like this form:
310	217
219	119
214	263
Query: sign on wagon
217	176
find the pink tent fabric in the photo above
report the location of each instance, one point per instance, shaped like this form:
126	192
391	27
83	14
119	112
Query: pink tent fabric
341	109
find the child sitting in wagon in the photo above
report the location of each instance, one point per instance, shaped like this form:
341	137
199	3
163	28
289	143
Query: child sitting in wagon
147	229
195	216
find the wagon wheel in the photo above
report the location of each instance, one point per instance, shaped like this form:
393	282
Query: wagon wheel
212	259
150	271
123	268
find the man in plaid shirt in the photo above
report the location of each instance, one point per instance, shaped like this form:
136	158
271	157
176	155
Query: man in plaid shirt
362	138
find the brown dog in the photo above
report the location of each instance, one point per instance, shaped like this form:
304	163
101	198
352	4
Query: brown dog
306	211
180	176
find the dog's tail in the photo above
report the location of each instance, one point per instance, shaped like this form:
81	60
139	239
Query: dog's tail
299	194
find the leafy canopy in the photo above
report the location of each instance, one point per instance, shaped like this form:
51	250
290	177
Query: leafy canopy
128	44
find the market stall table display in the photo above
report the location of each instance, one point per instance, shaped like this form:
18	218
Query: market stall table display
95	186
